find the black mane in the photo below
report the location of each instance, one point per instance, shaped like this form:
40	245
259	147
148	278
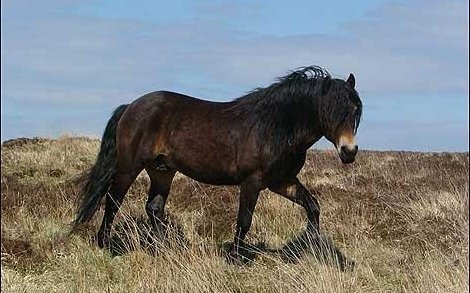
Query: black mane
303	81
286	109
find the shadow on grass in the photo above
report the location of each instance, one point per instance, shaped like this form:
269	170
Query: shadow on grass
306	243
137	233
324	250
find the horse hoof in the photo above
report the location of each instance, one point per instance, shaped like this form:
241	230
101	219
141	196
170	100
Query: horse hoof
102	242
237	259
347	265
350	265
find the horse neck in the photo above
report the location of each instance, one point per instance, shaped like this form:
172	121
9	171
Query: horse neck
312	134
324	107
310	131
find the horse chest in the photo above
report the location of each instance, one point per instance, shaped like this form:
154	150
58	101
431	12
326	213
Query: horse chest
285	167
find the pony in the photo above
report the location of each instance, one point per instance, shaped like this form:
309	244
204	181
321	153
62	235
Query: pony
256	141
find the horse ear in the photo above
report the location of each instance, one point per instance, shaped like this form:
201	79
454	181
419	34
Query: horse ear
351	80
326	84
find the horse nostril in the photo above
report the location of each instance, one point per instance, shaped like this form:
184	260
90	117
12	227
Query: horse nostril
354	151
349	151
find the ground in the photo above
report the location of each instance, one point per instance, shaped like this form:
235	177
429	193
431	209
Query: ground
401	216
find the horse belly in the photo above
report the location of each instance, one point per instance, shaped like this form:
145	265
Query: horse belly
205	171
207	161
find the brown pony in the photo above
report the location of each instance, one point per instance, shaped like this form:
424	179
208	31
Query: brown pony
257	141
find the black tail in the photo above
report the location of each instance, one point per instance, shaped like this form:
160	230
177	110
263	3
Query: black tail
101	175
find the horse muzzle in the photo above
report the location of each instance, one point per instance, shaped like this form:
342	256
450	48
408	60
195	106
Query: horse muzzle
347	153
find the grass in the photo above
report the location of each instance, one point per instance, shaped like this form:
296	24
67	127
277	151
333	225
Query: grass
401	216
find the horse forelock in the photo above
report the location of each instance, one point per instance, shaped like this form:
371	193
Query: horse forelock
335	106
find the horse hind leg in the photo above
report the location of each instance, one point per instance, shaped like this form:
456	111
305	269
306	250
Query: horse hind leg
114	198
160	183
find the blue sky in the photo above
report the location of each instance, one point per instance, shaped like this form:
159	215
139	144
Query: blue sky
67	64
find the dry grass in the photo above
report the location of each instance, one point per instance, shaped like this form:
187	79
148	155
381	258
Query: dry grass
403	218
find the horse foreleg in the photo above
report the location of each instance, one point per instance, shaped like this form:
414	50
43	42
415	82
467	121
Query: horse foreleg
249	192
296	192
